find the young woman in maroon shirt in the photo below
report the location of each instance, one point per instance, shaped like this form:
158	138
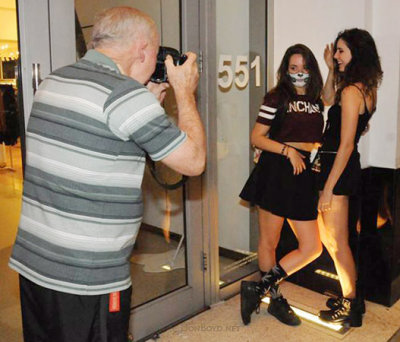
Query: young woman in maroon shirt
282	185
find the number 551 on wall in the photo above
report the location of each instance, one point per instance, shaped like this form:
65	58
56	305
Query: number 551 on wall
226	74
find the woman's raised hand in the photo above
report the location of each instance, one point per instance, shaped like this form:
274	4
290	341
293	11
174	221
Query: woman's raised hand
328	56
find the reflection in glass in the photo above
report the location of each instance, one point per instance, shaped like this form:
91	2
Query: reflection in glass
11	123
238	97
158	261
11	165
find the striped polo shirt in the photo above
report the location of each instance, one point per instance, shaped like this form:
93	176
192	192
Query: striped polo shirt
88	133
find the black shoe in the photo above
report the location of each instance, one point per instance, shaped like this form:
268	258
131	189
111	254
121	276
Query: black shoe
334	303
280	308
346	313
250	300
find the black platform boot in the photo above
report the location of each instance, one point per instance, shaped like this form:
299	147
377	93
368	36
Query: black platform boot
334	303
348	312
280	308
250	300
252	292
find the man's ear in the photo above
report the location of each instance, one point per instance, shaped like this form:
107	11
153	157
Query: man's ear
142	46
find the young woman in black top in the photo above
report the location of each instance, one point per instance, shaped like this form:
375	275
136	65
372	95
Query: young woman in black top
282	185
351	89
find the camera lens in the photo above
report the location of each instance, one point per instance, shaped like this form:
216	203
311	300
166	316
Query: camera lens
160	74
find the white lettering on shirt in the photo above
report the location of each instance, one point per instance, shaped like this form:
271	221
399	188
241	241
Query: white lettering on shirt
303	107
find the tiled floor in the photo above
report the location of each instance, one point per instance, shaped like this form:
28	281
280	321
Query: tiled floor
10	193
10	204
223	323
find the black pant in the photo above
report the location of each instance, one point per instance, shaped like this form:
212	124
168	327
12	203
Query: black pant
52	316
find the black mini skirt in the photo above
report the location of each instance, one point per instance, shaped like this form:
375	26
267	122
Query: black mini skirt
273	187
349	182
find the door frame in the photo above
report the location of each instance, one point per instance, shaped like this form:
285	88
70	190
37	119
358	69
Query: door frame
189	300
208	108
261	15
44	40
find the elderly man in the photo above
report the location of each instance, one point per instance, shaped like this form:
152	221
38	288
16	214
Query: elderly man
91	125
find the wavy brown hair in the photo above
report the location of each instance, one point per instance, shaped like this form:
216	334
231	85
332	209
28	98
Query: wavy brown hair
365	65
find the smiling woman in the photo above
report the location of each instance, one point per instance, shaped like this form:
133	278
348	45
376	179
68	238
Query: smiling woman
342	55
354	61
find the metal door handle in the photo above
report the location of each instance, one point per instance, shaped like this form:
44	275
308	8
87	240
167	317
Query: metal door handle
36	80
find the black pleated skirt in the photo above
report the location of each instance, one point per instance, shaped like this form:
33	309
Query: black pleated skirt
349	182
273	187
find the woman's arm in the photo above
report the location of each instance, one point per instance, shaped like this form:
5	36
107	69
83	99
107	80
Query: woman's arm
351	100
328	92
260	140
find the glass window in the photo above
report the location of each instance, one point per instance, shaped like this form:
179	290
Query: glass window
158	261
241	86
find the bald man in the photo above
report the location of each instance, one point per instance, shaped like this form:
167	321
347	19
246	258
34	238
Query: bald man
91	125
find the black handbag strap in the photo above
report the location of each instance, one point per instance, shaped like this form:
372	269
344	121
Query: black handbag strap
157	178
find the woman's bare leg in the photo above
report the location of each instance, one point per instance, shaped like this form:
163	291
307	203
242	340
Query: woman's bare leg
335	236
309	248
270	231
270	227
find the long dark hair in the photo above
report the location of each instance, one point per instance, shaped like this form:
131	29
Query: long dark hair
284	87
365	65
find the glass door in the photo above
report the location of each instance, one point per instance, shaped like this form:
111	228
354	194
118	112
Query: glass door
167	260
241	84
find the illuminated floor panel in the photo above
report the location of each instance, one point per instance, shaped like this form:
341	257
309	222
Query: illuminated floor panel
312	318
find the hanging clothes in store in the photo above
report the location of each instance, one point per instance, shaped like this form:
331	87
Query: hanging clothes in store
9	116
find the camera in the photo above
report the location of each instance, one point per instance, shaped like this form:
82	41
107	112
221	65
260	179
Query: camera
160	74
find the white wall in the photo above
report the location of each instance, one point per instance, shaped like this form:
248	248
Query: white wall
384	137
316	23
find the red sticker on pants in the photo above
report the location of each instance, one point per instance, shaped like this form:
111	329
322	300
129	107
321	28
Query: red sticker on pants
114	304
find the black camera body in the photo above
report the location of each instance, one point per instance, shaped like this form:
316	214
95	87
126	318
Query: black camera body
160	74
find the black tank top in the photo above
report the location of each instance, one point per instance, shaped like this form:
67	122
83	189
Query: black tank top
331	137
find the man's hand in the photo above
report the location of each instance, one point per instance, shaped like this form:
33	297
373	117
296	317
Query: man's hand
189	158
185	77
158	89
